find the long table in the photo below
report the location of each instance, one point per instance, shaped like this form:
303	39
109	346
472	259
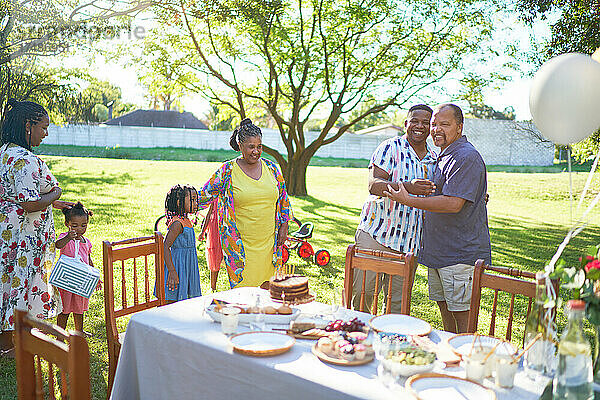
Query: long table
177	351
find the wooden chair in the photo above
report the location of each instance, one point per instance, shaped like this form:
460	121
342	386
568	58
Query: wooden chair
125	290
36	340
379	262
509	281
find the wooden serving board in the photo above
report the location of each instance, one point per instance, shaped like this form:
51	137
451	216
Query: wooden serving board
340	361
303	335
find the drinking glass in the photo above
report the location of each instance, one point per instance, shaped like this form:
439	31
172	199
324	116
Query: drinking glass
335	304
506	368
229	320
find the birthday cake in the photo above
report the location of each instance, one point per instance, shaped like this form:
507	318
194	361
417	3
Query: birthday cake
294	287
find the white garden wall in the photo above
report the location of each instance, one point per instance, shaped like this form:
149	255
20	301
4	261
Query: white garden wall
499	142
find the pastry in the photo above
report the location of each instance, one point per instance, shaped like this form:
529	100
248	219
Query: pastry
347	352
360	351
325	345
284	310
269	310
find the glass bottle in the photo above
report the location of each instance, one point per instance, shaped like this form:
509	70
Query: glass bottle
574	376
540	359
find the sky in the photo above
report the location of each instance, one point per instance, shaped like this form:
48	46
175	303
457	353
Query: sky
513	93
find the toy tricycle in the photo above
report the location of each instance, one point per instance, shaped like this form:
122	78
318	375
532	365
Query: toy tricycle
298	240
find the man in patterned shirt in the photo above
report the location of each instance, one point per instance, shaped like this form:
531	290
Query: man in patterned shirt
385	224
455	229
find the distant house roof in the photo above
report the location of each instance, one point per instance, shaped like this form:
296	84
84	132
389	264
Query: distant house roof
158	119
387	129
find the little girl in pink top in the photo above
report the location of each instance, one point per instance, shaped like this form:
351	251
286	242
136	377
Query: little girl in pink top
214	251
73	244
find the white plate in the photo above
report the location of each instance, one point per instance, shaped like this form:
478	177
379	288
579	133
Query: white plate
400	323
262	343
437	386
462	344
277	319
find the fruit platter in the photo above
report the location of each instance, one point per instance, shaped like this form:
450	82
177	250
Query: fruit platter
315	330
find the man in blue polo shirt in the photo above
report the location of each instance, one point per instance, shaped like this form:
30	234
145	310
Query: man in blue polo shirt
455	225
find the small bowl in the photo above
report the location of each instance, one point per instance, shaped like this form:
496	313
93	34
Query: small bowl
398	369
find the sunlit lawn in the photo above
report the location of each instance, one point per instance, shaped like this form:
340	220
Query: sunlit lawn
528	214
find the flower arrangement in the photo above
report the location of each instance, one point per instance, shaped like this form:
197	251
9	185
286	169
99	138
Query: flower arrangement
584	281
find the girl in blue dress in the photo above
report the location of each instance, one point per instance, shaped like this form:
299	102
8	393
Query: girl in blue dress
182	275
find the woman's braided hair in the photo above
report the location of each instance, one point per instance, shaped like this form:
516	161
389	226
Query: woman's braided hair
77	210
175	201
244	131
15	119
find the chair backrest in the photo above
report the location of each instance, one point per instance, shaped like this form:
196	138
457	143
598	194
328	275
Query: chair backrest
37	340
508	280
379	262
133	268
126	254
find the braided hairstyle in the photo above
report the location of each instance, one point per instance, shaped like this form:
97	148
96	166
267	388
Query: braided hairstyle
77	210
175	201
244	131
15	119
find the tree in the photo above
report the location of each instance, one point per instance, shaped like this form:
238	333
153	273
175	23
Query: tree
86	99
159	65
218	120
301	59
472	91
576	27
374	119
36	28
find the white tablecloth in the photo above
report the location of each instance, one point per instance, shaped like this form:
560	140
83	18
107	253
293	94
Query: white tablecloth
178	352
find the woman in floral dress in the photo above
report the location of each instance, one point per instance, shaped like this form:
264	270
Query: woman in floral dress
27	191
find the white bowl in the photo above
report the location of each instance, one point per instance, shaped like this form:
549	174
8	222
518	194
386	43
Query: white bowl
398	369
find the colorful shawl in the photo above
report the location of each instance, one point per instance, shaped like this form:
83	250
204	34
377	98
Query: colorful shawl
220	186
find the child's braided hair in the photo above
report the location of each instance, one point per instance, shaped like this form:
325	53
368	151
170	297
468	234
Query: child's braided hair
244	131
175	201
77	210
14	121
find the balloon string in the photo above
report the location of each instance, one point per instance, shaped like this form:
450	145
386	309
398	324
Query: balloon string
570	183
589	181
578	227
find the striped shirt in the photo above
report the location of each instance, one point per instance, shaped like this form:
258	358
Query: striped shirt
392	224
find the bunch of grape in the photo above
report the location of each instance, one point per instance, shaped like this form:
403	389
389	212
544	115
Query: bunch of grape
354	325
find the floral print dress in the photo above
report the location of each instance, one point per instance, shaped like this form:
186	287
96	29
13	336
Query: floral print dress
27	247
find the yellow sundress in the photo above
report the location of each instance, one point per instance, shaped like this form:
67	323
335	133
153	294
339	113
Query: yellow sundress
255	206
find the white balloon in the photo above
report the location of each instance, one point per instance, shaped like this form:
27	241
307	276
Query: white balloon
564	98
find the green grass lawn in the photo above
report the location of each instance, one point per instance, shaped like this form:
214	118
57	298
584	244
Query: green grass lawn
528	215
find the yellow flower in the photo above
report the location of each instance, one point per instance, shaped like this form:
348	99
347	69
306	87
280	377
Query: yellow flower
16	282
19	164
51	247
22	261
3	217
5	278
5	159
6	235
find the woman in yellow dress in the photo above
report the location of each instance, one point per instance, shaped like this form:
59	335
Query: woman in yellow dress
253	209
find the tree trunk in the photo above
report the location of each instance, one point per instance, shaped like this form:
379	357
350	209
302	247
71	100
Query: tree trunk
296	176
